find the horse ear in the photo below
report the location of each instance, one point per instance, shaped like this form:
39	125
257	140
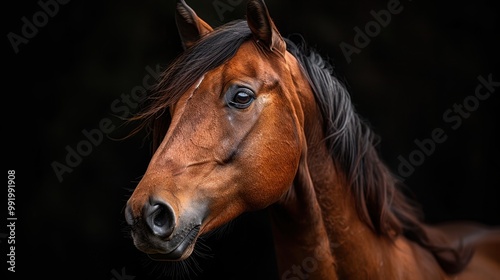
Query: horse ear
263	27
190	26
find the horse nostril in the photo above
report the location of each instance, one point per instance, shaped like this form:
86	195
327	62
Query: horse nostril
159	216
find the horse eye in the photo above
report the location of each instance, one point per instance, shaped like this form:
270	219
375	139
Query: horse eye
241	98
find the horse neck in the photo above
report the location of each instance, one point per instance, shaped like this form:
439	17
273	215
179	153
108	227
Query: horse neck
318	233
358	252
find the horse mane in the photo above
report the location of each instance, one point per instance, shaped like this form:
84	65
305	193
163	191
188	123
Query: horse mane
380	202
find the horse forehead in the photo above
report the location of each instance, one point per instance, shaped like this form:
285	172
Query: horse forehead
251	60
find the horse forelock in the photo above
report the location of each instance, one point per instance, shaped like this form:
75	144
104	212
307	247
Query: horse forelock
183	72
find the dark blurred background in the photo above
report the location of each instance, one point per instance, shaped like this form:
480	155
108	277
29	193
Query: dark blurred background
74	69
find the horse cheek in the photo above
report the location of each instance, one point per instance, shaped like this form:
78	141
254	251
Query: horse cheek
273	176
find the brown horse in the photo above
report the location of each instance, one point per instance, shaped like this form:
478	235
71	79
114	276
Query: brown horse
243	120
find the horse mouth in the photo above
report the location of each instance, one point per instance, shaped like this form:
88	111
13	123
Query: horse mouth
182	250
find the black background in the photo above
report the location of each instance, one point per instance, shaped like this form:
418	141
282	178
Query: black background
90	53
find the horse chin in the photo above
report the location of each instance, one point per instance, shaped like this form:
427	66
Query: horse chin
176	255
183	250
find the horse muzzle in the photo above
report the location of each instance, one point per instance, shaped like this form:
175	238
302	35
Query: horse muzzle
156	232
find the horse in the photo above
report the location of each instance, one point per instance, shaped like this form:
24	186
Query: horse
245	119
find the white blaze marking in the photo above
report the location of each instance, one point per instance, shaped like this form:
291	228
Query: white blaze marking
199	82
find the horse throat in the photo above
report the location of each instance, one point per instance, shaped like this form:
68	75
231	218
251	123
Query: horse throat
300	236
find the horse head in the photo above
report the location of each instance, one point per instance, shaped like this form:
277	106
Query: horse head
235	103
